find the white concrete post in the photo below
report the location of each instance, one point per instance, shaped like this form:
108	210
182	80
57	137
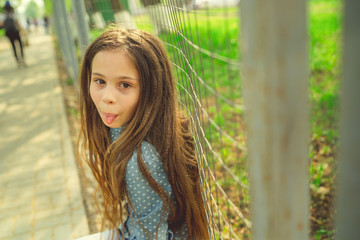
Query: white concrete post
348	190
275	69
124	19
160	17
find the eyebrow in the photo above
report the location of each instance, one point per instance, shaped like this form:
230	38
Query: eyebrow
120	77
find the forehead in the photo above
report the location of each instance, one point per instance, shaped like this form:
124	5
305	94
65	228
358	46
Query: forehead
114	62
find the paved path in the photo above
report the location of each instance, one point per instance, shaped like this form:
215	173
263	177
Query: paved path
40	195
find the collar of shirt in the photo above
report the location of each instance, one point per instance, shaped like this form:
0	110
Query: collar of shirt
115	132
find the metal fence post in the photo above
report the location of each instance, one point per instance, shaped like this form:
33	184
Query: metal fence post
60	37
65	38
275	68
81	24
348	193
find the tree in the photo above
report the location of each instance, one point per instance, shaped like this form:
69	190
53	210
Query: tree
150	2
116	5
95	17
32	10
154	2
48	7
121	13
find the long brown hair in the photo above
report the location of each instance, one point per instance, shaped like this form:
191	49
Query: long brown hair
156	120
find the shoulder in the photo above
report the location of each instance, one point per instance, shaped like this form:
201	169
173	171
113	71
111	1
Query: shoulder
150	157
152	162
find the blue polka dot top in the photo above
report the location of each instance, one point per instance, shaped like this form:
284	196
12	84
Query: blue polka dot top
146	203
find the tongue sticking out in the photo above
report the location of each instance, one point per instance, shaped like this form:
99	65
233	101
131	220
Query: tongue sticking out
110	118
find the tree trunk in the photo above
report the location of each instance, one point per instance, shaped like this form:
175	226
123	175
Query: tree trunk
96	20
150	2
121	15
117	5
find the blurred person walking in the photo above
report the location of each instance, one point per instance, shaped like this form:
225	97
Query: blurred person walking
46	24
12	32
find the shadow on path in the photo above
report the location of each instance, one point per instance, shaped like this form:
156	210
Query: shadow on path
40	194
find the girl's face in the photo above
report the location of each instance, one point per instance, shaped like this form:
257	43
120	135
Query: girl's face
114	87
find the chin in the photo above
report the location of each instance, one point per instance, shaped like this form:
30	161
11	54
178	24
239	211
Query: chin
112	125
109	125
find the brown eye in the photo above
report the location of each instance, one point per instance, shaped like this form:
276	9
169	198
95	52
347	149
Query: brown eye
99	81
125	85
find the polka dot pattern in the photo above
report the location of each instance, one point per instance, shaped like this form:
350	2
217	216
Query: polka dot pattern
114	133
145	201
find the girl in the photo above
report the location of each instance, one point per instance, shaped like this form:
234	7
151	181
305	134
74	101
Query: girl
142	152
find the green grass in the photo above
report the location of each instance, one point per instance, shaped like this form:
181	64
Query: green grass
94	33
325	18
325	22
325	63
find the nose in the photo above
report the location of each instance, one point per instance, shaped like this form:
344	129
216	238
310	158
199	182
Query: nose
109	97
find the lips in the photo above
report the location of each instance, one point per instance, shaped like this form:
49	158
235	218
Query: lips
109	118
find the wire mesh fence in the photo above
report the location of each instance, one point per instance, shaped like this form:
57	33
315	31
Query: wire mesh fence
201	38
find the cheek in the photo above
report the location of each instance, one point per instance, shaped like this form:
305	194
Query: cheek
95	98
94	95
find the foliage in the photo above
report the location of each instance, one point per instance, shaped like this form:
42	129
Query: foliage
69	82
48	5
32	10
